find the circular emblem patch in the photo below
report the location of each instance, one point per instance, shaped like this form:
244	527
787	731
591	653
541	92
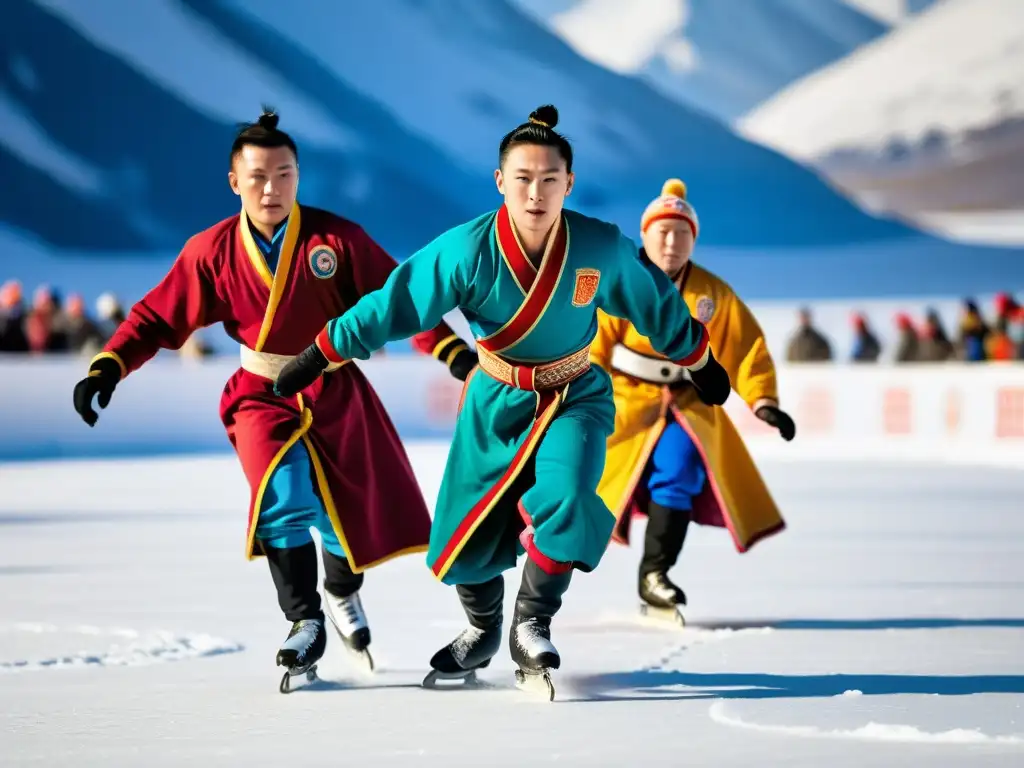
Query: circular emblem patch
323	261
705	308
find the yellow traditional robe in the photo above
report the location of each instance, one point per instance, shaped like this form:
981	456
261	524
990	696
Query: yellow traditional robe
735	495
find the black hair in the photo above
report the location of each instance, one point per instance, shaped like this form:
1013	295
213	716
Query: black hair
262	133
538	129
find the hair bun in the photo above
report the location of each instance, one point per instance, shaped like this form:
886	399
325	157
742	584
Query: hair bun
674	188
546	115
269	119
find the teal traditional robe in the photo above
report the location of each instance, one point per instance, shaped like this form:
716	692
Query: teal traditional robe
523	467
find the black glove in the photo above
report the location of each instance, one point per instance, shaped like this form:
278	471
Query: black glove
463	362
711	382
301	371
104	374
779	419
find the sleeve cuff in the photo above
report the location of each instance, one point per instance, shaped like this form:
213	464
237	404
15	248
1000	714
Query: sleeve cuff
453	353
763	401
441	347
323	341
700	355
111	356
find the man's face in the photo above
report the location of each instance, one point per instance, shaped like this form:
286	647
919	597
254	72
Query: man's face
535	183
669	244
267	180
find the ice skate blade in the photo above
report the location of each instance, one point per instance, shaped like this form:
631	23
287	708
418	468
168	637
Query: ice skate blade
286	681
362	660
464	678
538	682
670	615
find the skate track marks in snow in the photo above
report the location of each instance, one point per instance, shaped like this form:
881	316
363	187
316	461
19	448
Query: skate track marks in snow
883	627
127	647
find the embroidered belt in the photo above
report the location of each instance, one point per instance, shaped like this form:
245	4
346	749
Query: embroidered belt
654	370
268	365
534	378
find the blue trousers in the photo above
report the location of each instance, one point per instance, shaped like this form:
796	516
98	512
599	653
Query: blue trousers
675	473
291	506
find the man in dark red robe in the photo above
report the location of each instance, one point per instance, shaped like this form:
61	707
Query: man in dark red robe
329	457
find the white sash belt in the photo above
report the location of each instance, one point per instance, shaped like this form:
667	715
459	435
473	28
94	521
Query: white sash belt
265	364
653	370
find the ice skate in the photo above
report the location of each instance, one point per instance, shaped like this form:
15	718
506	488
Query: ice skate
459	661
661	599
666	531
476	645
539	598
534	654
348	618
301	651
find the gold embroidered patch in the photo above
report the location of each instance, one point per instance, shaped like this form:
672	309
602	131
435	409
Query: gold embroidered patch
585	289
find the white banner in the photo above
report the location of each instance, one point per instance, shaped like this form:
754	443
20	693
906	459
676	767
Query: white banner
943	412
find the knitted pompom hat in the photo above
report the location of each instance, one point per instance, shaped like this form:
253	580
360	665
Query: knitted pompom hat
672	204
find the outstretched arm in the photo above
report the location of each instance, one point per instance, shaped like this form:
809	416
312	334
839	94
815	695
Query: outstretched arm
642	294
414	298
370	266
164	318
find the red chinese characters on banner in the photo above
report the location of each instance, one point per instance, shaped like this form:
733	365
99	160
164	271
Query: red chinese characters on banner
816	411
897	411
1010	412
443	395
954	411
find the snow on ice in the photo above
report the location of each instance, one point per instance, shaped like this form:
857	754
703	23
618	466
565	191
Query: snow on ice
882	627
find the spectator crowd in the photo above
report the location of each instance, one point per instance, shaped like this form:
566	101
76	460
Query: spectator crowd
57	324
976	339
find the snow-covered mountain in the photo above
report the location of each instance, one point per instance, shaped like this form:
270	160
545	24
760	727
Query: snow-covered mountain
463	73
721	56
118	121
118	118
930	117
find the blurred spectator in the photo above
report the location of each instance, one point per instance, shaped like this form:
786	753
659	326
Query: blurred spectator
866	348
935	345
1006	308
83	334
907	346
973	333
109	314
195	348
1015	330
807	344
999	345
12	318
44	326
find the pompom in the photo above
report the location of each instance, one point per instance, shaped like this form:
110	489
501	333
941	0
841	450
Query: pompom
269	119
674	188
546	115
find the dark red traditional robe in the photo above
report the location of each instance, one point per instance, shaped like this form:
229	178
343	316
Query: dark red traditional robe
326	264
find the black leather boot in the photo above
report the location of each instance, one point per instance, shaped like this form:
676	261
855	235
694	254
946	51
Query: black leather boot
539	598
663	541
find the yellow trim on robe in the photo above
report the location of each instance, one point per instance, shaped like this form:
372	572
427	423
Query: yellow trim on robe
640	414
540	427
111	356
276	282
455	351
305	422
436	351
548	253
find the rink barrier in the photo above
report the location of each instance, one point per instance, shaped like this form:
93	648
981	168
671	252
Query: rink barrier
945	412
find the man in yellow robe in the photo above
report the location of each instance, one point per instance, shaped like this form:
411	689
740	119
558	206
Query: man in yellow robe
671	457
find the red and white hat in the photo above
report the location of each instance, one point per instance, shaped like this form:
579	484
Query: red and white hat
672	204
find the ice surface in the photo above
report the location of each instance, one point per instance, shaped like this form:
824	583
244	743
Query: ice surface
883	627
